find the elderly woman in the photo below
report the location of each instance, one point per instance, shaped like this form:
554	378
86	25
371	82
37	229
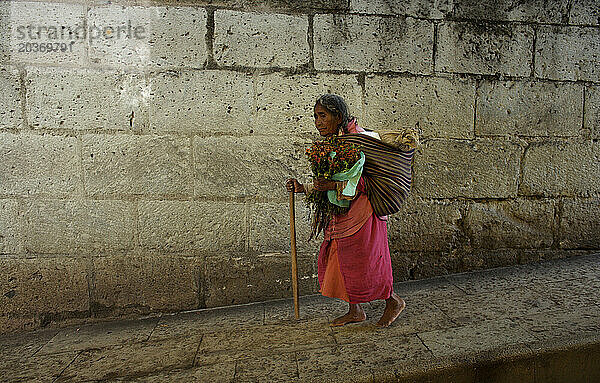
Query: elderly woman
354	259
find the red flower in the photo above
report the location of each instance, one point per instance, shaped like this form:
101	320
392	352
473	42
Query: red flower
323	164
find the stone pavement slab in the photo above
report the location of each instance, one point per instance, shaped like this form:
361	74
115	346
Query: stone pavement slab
314	306
495	305
38	368
439	287
99	335
563	323
273	368
264	340
217	373
355	362
130	360
198	322
421	316
475	337
24	345
562	292
530	323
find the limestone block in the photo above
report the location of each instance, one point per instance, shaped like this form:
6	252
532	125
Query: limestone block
10	324
465	47
269	227
146	283
428	264
86	99
78	226
285	103
441	107
284	6
429	9
528	108
426	226
147	36
36	286
47	32
247	166
115	165
535	11
235	280
433	264
592	111
11	115
35	164
518	223
471	169
402	265
553	168
5	30
202	102
10	227
478	259
180	226
586	12
568	53
373	43
260	40
580	224
541	255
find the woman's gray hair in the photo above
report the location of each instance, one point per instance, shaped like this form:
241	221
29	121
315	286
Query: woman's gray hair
336	106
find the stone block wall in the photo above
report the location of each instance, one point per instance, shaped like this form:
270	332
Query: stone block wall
142	165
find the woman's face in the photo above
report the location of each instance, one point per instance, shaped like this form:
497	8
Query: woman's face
326	122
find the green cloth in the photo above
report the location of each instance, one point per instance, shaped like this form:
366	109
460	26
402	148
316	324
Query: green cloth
351	175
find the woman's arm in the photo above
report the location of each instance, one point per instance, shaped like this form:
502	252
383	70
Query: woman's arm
322	184
338	186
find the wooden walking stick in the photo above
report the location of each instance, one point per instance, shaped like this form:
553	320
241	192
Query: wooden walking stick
294	258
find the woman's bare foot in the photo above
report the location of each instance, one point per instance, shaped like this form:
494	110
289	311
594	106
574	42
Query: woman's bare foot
355	314
393	307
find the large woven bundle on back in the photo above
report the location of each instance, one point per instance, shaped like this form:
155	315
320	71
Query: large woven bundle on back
387	168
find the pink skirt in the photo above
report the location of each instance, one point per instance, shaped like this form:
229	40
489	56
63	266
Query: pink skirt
364	264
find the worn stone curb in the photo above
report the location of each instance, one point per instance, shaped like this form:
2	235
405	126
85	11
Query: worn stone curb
565	360
571	360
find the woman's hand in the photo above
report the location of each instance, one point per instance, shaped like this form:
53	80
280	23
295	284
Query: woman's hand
323	184
293	185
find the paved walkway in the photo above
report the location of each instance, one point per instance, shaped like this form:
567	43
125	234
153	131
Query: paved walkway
531	323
